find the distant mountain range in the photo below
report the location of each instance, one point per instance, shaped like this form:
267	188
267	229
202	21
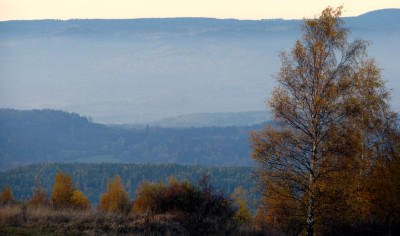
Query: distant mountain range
38	136
144	70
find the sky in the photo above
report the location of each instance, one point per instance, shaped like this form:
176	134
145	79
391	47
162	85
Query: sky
222	9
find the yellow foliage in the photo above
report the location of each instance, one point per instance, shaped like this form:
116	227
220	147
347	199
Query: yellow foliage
64	195
240	201
78	200
326	162
62	190
144	197
6	196
115	199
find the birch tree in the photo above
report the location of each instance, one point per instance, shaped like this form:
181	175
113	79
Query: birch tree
328	105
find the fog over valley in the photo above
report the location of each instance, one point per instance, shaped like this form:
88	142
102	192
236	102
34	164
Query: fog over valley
143	70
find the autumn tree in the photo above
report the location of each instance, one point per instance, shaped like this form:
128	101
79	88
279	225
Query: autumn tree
39	197
65	196
239	197
79	200
6	196
115	199
62	190
333	121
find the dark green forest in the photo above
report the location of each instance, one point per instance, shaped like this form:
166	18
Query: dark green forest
38	136
92	178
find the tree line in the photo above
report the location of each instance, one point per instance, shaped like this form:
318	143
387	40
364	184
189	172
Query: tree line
92	178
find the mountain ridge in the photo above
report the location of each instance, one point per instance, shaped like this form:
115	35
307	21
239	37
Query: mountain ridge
39	136
372	12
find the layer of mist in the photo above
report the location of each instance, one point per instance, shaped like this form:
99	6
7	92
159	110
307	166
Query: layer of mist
143	70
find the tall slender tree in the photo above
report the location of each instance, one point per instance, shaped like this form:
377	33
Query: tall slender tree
332	114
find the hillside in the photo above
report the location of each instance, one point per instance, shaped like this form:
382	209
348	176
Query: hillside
143	70
38	136
220	119
92	178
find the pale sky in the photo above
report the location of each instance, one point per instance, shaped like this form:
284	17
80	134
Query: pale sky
126	9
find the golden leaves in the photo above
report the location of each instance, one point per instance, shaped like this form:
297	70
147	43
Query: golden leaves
65	196
333	127
115	199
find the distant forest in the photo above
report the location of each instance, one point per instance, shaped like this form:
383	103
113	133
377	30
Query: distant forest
38	136
92	179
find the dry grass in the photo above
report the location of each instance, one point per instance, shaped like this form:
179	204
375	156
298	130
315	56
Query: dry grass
12	215
45	220
18	219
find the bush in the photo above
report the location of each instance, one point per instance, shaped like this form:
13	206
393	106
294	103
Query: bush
161	198
200	209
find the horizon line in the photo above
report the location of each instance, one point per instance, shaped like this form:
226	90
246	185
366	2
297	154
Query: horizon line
185	17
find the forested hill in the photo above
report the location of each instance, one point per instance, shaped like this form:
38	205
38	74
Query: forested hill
38	136
92	178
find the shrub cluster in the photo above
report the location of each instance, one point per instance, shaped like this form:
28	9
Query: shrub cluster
200	209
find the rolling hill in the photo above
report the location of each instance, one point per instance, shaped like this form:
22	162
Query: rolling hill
37	136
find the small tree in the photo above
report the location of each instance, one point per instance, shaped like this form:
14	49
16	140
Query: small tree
39	197
65	196
6	195
79	200
239	197
62	191
115	199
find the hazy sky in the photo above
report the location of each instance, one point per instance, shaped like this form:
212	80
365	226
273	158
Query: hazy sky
238	9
